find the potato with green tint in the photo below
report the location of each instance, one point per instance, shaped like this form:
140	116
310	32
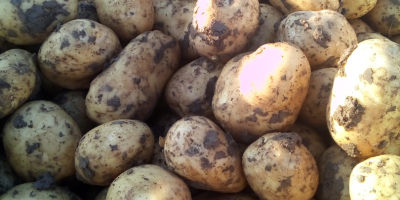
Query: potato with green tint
27	191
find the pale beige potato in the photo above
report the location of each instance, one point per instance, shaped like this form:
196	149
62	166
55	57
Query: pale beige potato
148	182
278	166
366	36
75	54
363	112
360	26
353	9
27	22
385	17
261	91
321	35
207	158
40	137
290	6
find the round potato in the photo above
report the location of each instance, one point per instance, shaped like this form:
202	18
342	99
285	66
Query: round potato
199	151
26	22
262	91
74	55
17	79
290	6
8	178
40	137
385	17
278	166
360	26
321	35
111	148
27	191
352	9
148	182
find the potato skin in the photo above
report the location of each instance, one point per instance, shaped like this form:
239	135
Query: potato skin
41	137
131	86
111	148
366	36
262	91
198	150
74	55
385	17
356	9
360	26
278	166
27	22
17	79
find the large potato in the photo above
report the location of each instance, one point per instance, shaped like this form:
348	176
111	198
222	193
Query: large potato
198	150
262	91
322	35
40	137
27	191
74	55
148	182
352	9
131	86
26	22
111	148
278	166
363	112
17	79
290	6
385	17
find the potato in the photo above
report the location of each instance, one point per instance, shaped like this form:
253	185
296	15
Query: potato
199	151
27	191
127	19
111	148
321	35
191	89
8	178
26	22
366	36
360	26
131	86
290	6
220	196
313	110
376	178
148	182
362	112
41	137
262	91
352	9
74	55
221	29
385	17
265	32
334	168
278	166
17	79
87	10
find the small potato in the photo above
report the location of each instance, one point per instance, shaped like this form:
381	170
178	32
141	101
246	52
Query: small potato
27	191
74	55
352	9
360	26
261	91
26	22
191	89
17	79
278	166
127	19
111	148
366	36
290	6
40	137
199	151
376	178
385	17
334	168
321	35
148	182
8	178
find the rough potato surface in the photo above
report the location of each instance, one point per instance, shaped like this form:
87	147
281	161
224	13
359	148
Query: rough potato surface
385	17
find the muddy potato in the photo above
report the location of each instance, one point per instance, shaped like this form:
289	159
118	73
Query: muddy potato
127	19
290	6
199	151
278	166
26	22
131	86
41	137
334	168
262	91
221	29
191	89
221	196
313	110
321	35
360	26
17	79
87	10
385	17
148	182
352	9
8	178
27	191
111	148
74	55
265	32
362	112
366	36
376	178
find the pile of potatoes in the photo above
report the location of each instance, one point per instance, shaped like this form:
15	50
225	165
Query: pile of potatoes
200	99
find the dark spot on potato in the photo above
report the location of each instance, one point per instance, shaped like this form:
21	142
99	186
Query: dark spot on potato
146	179
288	140
30	148
143	139
94	67
64	43
92	39
21	68
84	166
129	171
268	168
287	5
159	53
4	85
15	193
196	107
45	181
218	28
128	108
343	11
60	134
260	112
113	147
391	109
220	155
350	114
78	34
367	75
114	102
192	151
137	80
382	144
32	194
11	33
278	118
210	88
321	37
251	118
205	163
330	186
16	2
351	149
285	184
211	140
252	159
360	178
19	122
